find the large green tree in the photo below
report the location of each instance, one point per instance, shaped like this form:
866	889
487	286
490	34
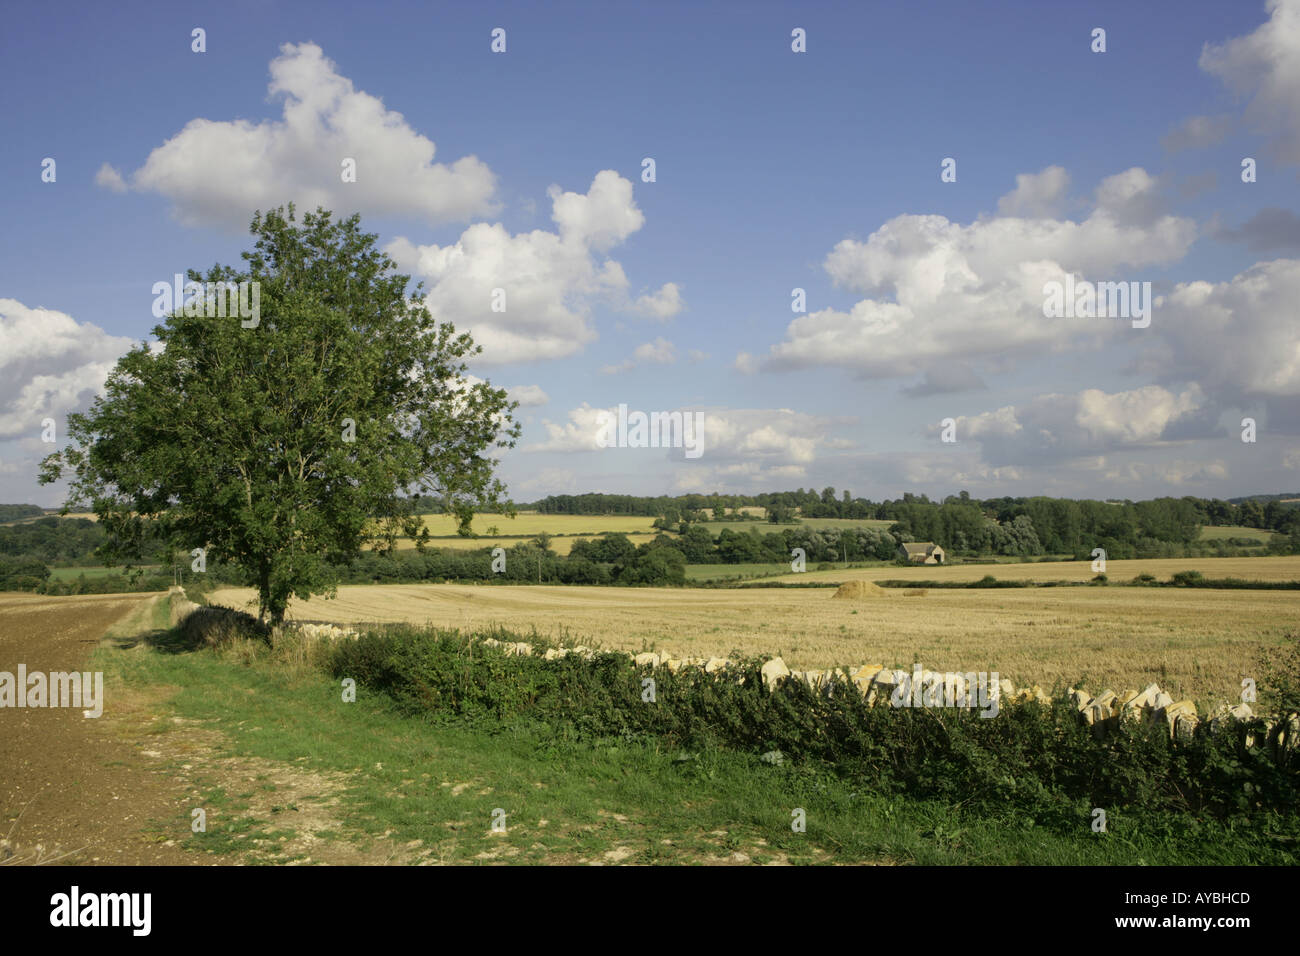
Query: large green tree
289	444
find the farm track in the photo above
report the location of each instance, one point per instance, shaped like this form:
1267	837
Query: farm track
72	789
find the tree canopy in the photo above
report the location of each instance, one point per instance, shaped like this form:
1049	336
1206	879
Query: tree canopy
288	444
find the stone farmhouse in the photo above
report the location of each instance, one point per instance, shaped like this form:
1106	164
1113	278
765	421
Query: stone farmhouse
921	552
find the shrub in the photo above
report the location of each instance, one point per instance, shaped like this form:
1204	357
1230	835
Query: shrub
216	626
1033	760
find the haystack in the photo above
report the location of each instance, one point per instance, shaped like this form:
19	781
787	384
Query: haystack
859	590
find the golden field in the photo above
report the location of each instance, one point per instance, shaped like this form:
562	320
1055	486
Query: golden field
530	523
561	546
527	525
1197	643
1284	568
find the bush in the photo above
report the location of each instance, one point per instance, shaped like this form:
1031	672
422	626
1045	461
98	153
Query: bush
1032	760
215	626
1187	578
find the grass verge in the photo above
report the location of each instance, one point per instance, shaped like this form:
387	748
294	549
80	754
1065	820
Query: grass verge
416	790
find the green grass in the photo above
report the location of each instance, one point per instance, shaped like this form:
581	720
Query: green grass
730	572
877	523
763	527
1209	533
573	801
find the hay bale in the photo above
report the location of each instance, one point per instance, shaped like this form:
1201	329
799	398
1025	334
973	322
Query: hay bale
859	591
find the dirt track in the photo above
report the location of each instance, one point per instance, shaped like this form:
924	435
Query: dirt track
72	790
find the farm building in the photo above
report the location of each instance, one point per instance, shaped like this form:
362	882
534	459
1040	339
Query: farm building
921	552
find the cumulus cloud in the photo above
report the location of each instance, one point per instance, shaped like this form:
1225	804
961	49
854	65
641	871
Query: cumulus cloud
218	172
1265	67
50	364
548	282
662	305
1237	338
579	433
110	179
770	437
1053	428
938	291
1037	195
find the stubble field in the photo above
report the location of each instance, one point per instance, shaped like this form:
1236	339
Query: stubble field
1197	643
1282	568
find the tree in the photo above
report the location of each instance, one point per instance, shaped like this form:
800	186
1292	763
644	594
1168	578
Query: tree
284	446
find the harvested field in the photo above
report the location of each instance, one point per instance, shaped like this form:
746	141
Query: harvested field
1284	568
1194	642
561	546
859	591
564	529
531	523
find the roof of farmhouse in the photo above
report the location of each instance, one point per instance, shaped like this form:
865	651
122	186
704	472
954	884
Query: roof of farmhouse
918	547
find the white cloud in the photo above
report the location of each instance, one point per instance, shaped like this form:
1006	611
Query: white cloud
1053	428
579	433
550	280
939	291
1265	66
663	304
1237	338
527	395
218	172
1037	195
771	437
660	352
50	364
110	179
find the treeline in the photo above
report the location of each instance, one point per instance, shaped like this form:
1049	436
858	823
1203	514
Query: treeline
609	559
22	574
717	507
1265	512
53	540
18	512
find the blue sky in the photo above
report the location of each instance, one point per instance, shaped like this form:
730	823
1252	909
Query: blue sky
774	170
